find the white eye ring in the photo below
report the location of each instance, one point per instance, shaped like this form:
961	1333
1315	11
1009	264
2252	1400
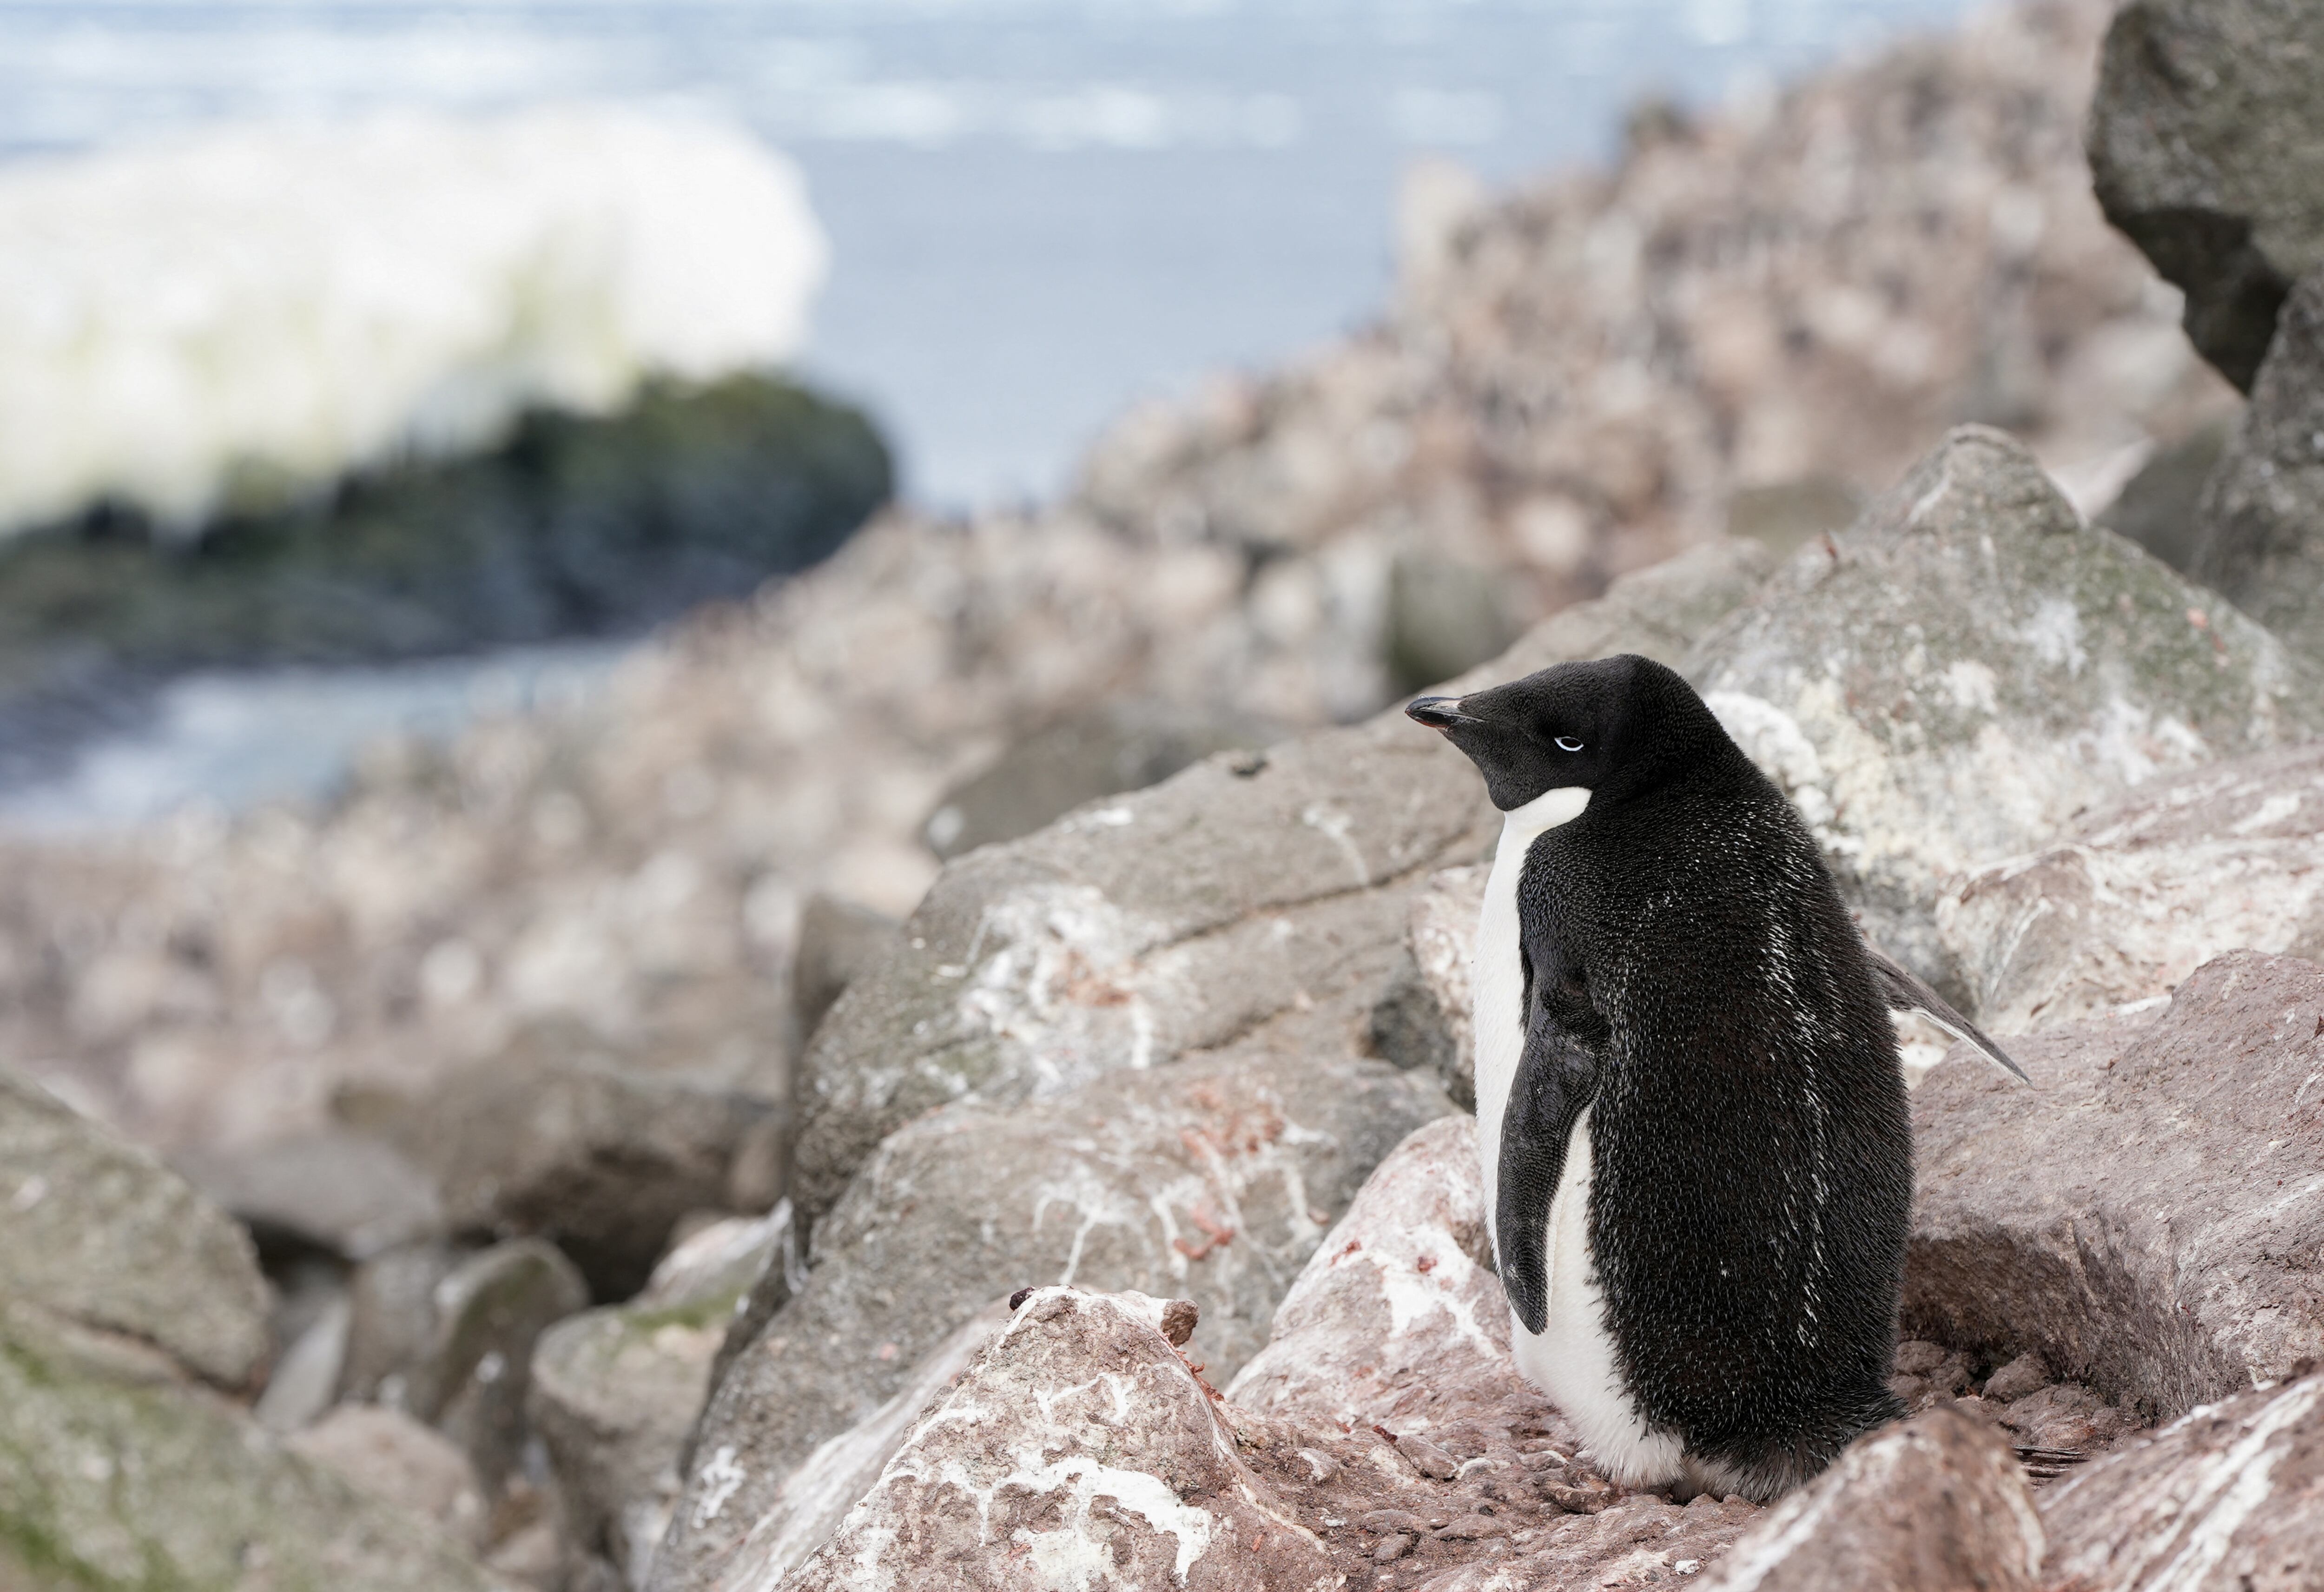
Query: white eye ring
1567	743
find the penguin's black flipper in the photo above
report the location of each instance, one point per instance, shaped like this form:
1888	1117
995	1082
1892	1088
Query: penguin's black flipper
1555	1079
1905	993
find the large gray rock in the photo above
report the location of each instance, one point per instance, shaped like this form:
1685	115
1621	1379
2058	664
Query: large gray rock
1937	1503
113	1474
1168	922
1101	751
1397	1319
2131	899
560	1141
2228	1498
2146	1216
490	1312
1955	678
96	1231
1212	1179
810	1504
385	1454
346	1193
1039	1470
615	1391
2262	516
2207	143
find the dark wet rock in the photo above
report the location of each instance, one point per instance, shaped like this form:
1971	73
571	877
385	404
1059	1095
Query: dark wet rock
2142	1216
2230	1497
837	941
385	1454
574	525
1937	1503
1952	680
615	1391
349	1194
2262	512
1211	1178
97	1232
1118	746
561	1140
490	1311
2207	144
2124	903
2159	508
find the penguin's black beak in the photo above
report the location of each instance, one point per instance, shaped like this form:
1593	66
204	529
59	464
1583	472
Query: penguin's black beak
1438	712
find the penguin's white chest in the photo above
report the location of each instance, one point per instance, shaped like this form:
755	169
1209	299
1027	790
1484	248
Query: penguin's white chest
1572	1360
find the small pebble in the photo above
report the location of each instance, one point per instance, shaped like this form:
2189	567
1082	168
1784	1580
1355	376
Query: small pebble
1321	1466
1392	1548
1428	1458
1468	1528
1392	1520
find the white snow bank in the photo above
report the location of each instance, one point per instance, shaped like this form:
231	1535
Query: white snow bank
261	308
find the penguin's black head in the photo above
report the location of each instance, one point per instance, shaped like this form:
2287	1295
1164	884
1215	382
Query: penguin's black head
1613	727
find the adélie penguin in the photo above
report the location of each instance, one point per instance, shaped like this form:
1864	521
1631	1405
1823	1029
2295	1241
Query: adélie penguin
1698	1161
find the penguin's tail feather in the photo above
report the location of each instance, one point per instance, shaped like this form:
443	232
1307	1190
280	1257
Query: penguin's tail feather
1905	993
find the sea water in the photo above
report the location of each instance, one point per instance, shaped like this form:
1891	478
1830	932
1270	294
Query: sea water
1039	211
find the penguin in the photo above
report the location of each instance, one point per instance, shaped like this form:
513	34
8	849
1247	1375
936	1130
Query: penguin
1691	1112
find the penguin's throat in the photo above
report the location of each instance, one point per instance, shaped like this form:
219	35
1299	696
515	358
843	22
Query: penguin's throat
1521	827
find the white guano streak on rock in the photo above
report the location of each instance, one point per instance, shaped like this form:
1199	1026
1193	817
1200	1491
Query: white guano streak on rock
1336	826
2227	1488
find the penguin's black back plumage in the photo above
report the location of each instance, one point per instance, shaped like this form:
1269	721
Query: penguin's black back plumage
1694	977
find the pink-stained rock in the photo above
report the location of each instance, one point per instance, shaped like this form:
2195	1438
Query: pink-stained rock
2133	898
2229	1498
1936	1504
2149	1215
1395	1320
1079	1449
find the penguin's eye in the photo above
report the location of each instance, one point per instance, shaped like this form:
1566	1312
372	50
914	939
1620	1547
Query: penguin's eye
1567	743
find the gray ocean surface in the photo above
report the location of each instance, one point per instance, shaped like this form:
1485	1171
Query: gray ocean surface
1040	210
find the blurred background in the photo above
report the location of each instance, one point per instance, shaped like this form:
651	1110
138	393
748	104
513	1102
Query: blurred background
988	225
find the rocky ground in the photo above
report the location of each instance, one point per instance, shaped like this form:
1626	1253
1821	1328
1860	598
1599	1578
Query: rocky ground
615	1151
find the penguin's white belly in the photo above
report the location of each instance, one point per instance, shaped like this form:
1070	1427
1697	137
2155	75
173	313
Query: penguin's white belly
1571	1357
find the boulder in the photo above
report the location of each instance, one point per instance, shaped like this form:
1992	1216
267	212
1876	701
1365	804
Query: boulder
2130	899
2159	507
2262	515
615	1391
1426	1018
392	1323
1101	751
809	1506
1397	1319
1037	1471
348	1193
1936	1504
385	1454
2206	144
2230	1496
2145	1216
490	1311
1171	920
837	940
115	1474
97	1232
1211	1178
1956	678
560	1141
